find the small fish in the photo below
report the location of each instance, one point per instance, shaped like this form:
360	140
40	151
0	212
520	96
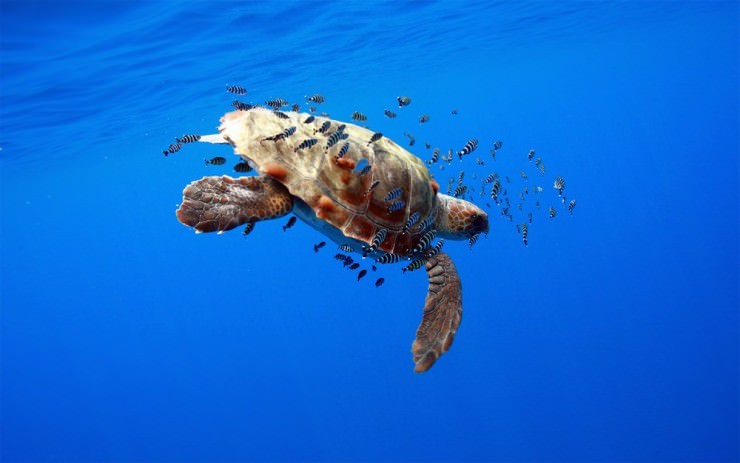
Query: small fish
315	98
497	145
324	127
435	157
377	241
469	147
412	140
282	135
236	90
243	167
346	248
333	139
388	259
173	148
460	190
318	246
559	184
248	228
479	162
529	216
426	223
373	186
393	194
341	127
276	103
424	118
190	138
362	273
309	119
427	145
553	212
403	101
473	239
358	116
530	155
571	206
280	114
417	264
390	114
365	170
348	261
240	106
454	111
341	257
343	150
376	136
460	177
217	161
413	218
523	175
312	109
424	241
396	206
525	233
295	107
541	167
379	282
431	252
354	266
305	144
374	268
290	223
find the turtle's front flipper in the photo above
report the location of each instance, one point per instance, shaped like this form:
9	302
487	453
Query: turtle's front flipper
222	203
442	312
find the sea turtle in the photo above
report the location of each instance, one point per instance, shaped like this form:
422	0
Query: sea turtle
321	182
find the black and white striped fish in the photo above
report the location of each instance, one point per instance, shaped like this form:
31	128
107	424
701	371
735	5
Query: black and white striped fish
415	265
354	266
571	206
413	218
497	145
552	212
346	248
396	206
495	189
559	184
358	116
309	119
376	136
403	101
248	228
426	223
324	127
282	135
473	239
389	114
341	257
243	167
393	194
388	259
525	233
377	241
280	114
435	157
424	241
365	170
348	261
460	190
460	177
343	150
469	147
189	138
315	98
276	103
372	186
241	106
491	177
424	118
217	161
295	108
305	144
173	148
333	139
236	90
530	155
431	252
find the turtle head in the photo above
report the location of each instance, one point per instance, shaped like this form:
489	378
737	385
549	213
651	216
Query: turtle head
458	219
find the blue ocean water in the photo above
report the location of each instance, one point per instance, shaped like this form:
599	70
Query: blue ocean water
613	336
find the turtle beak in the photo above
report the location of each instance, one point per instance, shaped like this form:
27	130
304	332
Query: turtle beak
479	224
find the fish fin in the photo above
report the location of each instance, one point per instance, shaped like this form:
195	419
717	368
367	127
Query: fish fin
442	313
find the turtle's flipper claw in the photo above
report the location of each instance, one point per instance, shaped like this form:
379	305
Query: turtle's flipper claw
442	313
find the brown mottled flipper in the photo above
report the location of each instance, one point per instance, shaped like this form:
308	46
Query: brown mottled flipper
442	313
222	203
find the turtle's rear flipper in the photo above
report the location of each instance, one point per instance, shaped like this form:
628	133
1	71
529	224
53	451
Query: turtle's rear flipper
222	203
442	312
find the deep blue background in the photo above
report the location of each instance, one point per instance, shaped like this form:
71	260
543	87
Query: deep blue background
613	336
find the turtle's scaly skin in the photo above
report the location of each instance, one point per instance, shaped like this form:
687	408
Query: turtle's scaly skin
442	312
334	189
222	203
